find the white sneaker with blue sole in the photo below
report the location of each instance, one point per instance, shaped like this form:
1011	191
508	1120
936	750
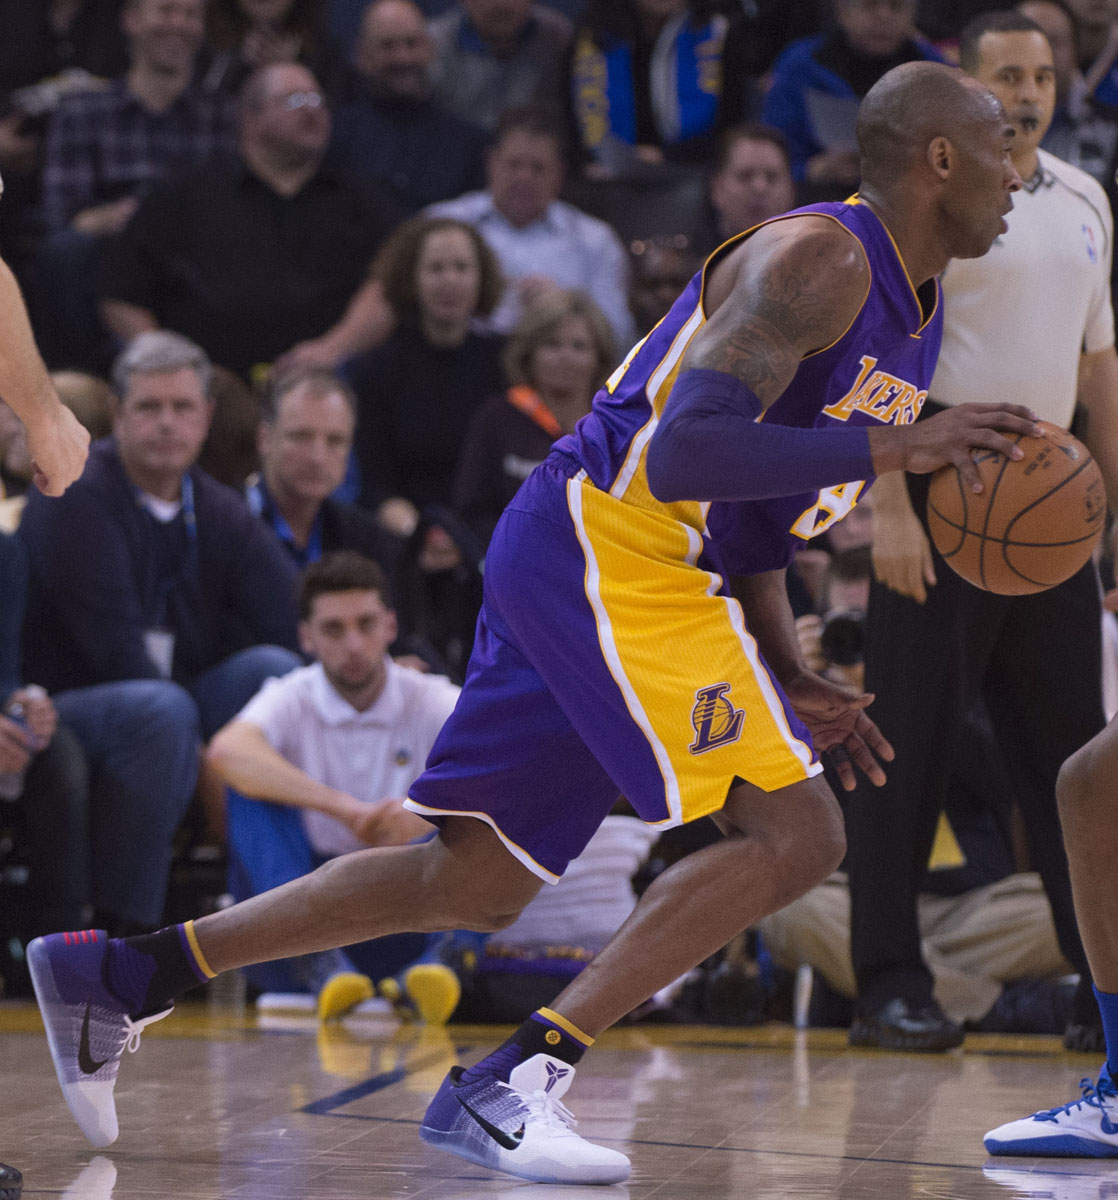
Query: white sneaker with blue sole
1083	1128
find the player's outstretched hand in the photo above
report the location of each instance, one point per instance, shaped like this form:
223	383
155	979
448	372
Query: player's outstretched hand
952	435
58	444
838	724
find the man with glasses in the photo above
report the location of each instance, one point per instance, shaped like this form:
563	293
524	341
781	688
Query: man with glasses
262	256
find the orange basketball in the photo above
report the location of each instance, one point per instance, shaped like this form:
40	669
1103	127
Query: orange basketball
1033	525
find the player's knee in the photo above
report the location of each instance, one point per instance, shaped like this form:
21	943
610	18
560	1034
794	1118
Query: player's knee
491	915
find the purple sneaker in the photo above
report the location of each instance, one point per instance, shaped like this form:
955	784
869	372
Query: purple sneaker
87	1027
519	1127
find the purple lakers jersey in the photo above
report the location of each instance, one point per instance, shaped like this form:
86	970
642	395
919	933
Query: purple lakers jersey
878	371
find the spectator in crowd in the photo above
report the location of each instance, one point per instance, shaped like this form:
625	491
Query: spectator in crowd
318	763
818	82
395	131
154	580
49	48
556	359
105	149
229	452
305	438
246	34
42	767
417	392
751	181
1050	348
654	81
659	269
541	241
263	256
1084	131
492	55
1096	43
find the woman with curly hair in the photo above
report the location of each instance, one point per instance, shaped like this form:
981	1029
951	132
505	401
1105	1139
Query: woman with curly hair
417	391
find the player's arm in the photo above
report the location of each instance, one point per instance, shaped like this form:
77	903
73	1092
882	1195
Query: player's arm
902	554
834	716
1098	394
792	288
57	442
244	759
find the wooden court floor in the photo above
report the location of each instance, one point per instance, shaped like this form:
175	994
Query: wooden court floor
218	1103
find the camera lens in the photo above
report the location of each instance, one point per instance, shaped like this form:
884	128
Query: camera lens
844	637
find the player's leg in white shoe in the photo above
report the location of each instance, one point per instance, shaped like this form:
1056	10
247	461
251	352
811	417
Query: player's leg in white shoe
1088	799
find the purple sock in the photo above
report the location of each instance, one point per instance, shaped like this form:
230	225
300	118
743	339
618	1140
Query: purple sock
544	1032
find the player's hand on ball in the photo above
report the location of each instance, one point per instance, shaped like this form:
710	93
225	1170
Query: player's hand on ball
838	725
952	435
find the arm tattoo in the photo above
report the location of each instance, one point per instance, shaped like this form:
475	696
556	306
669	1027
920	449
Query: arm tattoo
772	318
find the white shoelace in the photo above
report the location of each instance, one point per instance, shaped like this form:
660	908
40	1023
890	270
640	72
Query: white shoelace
133	1029
549	1111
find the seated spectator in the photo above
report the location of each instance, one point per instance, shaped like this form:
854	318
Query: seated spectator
630	108
229	452
659	269
49	49
1084	131
105	149
750	182
150	572
1096	45
43	768
394	130
318	763
493	55
417	392
541	241
818	82
262	256
556	359
246	34
305	437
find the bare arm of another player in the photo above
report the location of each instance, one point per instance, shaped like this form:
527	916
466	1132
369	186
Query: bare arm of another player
834	716
902	554
791	289
127	320
1098	394
247	761
57	441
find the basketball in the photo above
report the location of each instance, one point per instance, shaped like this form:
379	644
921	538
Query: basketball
1033	525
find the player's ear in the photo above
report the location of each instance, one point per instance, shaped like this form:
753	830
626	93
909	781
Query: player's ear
941	156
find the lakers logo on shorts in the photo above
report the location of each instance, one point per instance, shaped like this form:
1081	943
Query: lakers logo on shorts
717	722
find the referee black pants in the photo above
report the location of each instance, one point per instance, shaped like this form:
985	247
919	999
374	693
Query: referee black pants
1036	661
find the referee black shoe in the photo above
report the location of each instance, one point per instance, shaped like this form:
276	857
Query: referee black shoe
901	1024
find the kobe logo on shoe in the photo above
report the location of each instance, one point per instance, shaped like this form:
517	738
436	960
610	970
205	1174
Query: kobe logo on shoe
510	1141
88	1064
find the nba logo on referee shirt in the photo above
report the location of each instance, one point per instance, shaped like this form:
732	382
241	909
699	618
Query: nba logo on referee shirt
717	722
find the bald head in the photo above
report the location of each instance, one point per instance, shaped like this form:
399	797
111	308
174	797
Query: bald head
908	108
394	50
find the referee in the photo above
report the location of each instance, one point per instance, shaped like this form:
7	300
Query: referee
1030	323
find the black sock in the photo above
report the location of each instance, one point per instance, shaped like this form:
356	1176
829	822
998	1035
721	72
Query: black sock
545	1032
149	971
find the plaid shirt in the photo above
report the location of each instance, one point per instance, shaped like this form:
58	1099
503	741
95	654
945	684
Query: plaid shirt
104	145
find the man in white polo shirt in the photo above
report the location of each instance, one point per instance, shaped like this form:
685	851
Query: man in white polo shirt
1030	323
318	762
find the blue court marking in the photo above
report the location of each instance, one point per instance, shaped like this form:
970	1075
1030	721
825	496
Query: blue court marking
326	1106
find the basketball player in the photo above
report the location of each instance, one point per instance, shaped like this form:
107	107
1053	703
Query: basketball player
610	656
1031	322
56	440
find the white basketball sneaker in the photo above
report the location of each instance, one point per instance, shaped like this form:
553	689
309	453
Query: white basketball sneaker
519	1127
1083	1128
